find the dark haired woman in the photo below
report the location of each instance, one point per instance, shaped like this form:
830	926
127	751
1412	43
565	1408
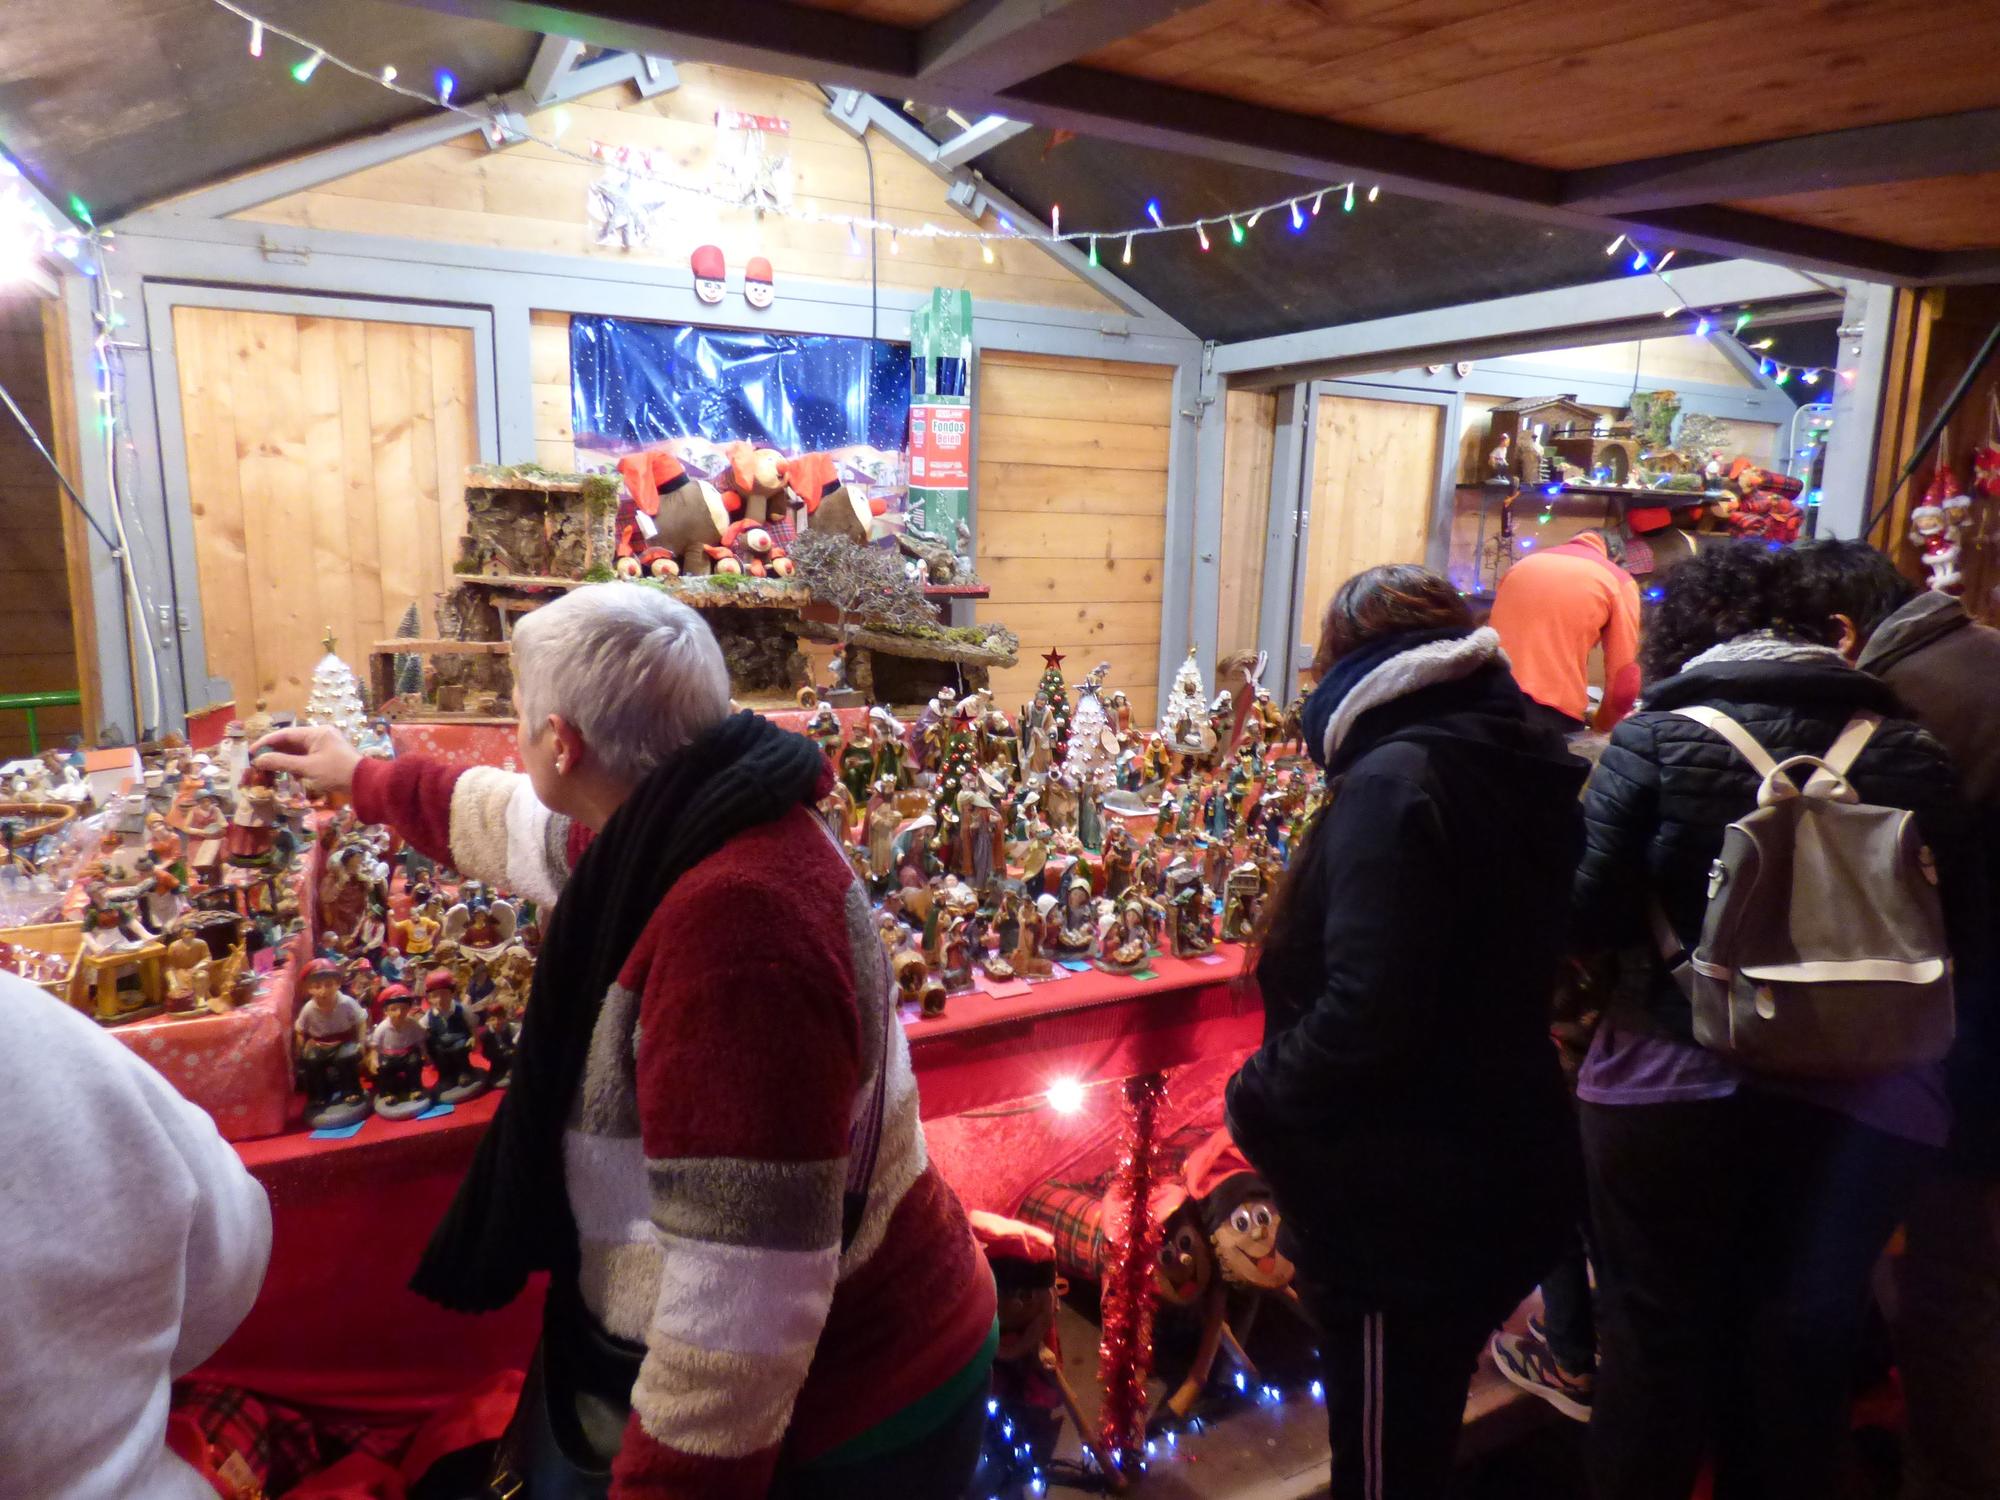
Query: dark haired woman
1736	1217
1406	1104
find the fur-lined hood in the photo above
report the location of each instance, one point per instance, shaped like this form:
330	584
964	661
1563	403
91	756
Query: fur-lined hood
1410	671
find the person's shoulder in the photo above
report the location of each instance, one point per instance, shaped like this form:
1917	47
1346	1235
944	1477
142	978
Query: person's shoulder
772	875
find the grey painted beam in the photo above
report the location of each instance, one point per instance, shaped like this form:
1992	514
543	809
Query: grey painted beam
655	75
299	174
966	192
986	45
1847	482
1940	146
1752	365
1277	603
1178	547
1204	607
1963	268
1571	312
1513	379
554	59
978	138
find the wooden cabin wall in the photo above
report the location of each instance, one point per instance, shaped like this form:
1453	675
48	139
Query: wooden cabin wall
37	645
1249	431
326	464
528	197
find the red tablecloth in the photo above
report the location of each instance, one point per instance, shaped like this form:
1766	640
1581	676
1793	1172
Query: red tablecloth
336	1327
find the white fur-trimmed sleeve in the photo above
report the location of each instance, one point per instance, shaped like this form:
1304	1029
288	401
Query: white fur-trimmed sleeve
501	834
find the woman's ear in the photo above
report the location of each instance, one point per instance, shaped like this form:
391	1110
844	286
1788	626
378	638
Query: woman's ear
1847	638
569	747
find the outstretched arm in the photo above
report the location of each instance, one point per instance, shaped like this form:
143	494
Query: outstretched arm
484	822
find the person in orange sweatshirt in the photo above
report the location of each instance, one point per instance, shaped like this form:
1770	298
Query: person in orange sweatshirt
1551	609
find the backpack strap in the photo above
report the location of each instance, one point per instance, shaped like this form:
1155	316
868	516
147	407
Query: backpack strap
1846	748
1741	740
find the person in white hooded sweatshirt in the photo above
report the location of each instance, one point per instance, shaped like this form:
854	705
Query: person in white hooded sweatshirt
132	1242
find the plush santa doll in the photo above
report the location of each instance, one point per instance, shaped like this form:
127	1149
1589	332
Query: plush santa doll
709	273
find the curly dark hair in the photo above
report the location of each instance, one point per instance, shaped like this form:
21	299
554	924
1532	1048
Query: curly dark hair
1851	579
1723	592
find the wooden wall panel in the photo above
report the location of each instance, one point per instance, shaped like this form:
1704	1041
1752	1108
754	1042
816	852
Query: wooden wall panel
1374	484
531	198
37	647
326	459
1072	494
1249	427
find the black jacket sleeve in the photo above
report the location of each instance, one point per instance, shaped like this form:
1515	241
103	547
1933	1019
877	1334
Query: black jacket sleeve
1620	813
1380	870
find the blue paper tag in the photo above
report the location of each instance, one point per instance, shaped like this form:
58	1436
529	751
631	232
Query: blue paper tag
435	1110
1075	965
339	1132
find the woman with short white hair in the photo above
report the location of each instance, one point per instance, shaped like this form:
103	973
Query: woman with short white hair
711	1140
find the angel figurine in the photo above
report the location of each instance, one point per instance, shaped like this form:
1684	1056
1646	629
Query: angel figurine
483	929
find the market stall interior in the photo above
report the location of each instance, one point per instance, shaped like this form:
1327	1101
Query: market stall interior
1008	387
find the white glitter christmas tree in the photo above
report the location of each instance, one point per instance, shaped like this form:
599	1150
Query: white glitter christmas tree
1092	755
336	696
1185	714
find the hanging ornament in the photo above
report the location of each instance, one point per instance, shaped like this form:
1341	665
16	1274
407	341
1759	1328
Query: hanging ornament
1936	526
748	172
758	289
709	273
624	206
1986	457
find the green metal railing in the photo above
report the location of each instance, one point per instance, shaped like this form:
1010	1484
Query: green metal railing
27	703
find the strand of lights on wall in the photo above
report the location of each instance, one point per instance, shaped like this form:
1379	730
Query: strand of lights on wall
1299	209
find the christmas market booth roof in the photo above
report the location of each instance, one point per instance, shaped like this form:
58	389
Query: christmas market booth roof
1507	155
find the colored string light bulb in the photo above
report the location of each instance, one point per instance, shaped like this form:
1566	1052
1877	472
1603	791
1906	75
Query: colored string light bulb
1742	322
1666	260
1153	213
1701	328
1127	258
1093	249
1055	220
256	38
1347	203
445	84
1612	248
389	73
305	67
1784	374
1235	231
1318	198
1374	192
1640	260
986	251
1201	233
1298	219
1811	377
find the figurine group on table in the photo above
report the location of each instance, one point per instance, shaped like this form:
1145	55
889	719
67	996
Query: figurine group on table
1068	837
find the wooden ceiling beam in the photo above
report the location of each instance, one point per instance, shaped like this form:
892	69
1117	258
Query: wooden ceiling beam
1939	146
770	36
988	45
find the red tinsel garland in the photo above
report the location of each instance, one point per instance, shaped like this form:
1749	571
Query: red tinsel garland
1125	1356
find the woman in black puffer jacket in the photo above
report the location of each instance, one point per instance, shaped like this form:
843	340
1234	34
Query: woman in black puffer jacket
1407	1105
1736	1218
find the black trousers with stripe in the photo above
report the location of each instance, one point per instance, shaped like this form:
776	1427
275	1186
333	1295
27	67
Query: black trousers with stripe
1396	1380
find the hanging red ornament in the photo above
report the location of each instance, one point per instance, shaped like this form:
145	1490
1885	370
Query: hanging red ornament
1125	1356
1986	457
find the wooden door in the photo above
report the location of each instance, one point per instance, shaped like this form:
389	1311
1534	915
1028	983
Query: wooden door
1374	489
326	466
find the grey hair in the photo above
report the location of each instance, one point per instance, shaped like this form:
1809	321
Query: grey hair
636	672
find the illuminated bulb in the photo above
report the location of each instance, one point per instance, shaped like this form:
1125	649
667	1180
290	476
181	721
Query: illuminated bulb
986	252
1251	222
1763	343
1784	374
1235	231
1201	234
256	38
893	244
1742	322
1849	376
1241	1383
1811	377
1701	328
1640	260
305	67
1374	192
1317	199
1298	219
1666	260
1128	250
1093	249
1318	1391
1347	203
1671	311
1612	248
1153	212
445	84
1055	220
389	73
1066	1096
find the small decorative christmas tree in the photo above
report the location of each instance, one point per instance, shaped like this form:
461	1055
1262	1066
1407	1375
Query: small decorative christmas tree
409	665
1184	718
1053	688
1092	755
336	696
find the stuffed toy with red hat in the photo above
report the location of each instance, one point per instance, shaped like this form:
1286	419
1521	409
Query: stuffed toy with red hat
829	504
758	288
757	550
666	509
754	487
710	273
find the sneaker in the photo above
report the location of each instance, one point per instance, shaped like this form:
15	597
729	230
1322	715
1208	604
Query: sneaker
1525	1360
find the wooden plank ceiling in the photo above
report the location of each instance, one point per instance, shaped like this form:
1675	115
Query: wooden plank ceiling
1844	135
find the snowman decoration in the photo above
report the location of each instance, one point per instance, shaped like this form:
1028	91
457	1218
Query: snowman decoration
709	272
